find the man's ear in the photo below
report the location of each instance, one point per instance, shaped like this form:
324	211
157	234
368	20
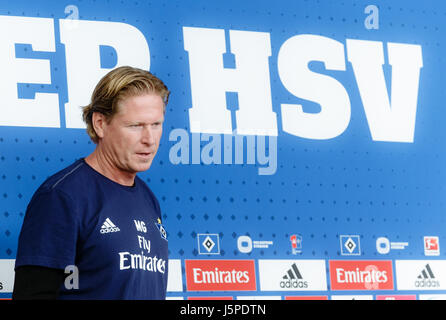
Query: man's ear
99	122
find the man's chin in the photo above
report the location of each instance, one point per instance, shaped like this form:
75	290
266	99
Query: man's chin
142	166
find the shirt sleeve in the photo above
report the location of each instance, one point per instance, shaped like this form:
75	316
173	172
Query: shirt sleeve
49	232
37	283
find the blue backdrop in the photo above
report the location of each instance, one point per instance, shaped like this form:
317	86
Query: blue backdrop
338	195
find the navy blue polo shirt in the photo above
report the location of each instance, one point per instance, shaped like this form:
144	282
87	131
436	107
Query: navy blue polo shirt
111	233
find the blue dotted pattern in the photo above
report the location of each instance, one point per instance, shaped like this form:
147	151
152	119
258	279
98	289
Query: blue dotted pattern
321	190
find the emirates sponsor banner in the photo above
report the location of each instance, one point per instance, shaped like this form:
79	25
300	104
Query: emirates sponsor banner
220	275
292	275
361	275
420	274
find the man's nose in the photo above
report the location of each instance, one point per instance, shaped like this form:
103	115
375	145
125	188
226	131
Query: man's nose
148	136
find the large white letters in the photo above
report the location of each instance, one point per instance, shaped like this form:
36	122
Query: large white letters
390	116
393	121
293	59
388	121
83	59
210	81
43	110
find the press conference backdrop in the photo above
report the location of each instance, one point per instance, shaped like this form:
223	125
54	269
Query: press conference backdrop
303	148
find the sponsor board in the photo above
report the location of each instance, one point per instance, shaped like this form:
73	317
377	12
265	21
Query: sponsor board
352	297
7	275
361	275
292	275
259	298
397	297
306	298
210	298
175	278
220	275
432	296
420	274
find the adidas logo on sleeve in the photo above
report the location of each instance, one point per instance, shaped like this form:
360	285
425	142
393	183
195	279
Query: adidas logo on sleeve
109	226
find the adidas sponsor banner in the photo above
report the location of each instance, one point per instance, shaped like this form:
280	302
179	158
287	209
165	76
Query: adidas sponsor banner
292	275
220	275
420	274
361	275
175	278
6	275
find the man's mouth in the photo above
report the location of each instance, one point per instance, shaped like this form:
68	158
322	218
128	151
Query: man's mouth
144	154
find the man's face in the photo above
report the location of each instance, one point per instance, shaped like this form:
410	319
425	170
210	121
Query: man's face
131	139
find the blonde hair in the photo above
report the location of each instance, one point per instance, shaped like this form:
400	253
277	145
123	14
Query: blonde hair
117	85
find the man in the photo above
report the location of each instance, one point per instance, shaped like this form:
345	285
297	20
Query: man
96	218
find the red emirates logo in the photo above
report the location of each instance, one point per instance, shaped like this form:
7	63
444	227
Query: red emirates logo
220	275
361	275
